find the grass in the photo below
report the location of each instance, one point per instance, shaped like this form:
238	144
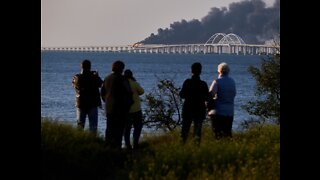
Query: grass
70	153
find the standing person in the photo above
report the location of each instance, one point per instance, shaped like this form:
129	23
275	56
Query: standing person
223	90
117	95
196	93
86	85
135	113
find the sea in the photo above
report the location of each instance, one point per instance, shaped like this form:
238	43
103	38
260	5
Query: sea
58	68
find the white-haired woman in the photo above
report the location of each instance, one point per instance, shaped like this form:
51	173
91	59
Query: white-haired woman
223	89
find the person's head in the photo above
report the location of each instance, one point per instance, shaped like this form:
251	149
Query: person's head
223	68
128	74
117	66
86	65
196	68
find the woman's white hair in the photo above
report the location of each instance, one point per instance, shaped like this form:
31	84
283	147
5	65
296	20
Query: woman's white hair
223	68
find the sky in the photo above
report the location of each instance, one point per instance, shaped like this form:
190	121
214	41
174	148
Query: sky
116	22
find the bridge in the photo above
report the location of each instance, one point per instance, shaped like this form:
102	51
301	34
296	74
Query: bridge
219	43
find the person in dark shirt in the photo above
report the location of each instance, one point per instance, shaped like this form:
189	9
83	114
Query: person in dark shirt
196	94
86	85
117	95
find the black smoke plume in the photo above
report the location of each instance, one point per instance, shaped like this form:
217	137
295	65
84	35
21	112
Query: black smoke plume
250	19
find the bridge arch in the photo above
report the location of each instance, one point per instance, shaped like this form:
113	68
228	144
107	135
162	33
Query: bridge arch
222	38
231	39
214	39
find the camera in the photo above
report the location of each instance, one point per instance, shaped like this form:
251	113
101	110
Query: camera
94	72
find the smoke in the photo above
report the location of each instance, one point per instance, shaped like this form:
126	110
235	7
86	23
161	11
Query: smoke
251	20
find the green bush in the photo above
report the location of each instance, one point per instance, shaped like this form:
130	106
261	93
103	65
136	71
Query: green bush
267	104
163	106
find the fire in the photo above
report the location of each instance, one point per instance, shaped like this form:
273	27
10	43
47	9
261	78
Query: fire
137	44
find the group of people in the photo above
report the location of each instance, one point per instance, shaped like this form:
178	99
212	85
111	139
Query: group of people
197	96
121	93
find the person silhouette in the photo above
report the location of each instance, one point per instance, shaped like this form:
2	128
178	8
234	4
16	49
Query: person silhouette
86	85
196	94
135	113
117	95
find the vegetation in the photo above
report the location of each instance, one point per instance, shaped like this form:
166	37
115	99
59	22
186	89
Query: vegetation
68	153
267	105
163	106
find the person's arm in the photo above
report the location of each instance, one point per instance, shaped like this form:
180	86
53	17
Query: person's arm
183	91
75	83
140	90
211	97
213	88
98	80
235	89
103	92
207	94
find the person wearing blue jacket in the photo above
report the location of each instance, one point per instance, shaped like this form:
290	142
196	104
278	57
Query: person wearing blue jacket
223	90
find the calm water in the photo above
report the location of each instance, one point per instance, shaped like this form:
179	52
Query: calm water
57	69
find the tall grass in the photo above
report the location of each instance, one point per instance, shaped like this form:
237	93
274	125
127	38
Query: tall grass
71	153
252	154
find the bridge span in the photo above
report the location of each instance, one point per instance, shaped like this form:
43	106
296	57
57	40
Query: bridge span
219	43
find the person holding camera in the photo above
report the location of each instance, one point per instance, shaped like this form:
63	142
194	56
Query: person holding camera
86	85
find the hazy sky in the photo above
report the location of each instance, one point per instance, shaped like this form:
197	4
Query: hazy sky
115	22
